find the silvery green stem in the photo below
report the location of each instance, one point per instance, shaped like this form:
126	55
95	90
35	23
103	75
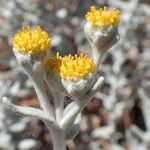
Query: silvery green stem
58	136
24	111
58	98
73	129
33	66
95	52
59	105
78	105
98	53
59	142
70	116
38	83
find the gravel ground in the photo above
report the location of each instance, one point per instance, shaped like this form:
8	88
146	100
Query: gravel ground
118	117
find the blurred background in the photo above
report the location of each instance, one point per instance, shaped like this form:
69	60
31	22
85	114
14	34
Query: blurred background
118	118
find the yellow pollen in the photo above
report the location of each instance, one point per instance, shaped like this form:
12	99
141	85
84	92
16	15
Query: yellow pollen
31	41
103	17
78	66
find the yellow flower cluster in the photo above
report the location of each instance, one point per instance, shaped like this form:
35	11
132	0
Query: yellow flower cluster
72	67
31	41
76	66
102	17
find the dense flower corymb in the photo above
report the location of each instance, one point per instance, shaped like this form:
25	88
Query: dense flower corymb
31	41
102	17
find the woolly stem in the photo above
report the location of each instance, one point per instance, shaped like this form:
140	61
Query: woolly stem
22	110
78	105
59	142
58	97
58	136
38	83
59	104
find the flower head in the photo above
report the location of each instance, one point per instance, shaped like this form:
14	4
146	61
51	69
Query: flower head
78	66
31	41
71	67
102	17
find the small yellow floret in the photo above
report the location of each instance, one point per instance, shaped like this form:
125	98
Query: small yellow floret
102	17
74	67
54	63
31	41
